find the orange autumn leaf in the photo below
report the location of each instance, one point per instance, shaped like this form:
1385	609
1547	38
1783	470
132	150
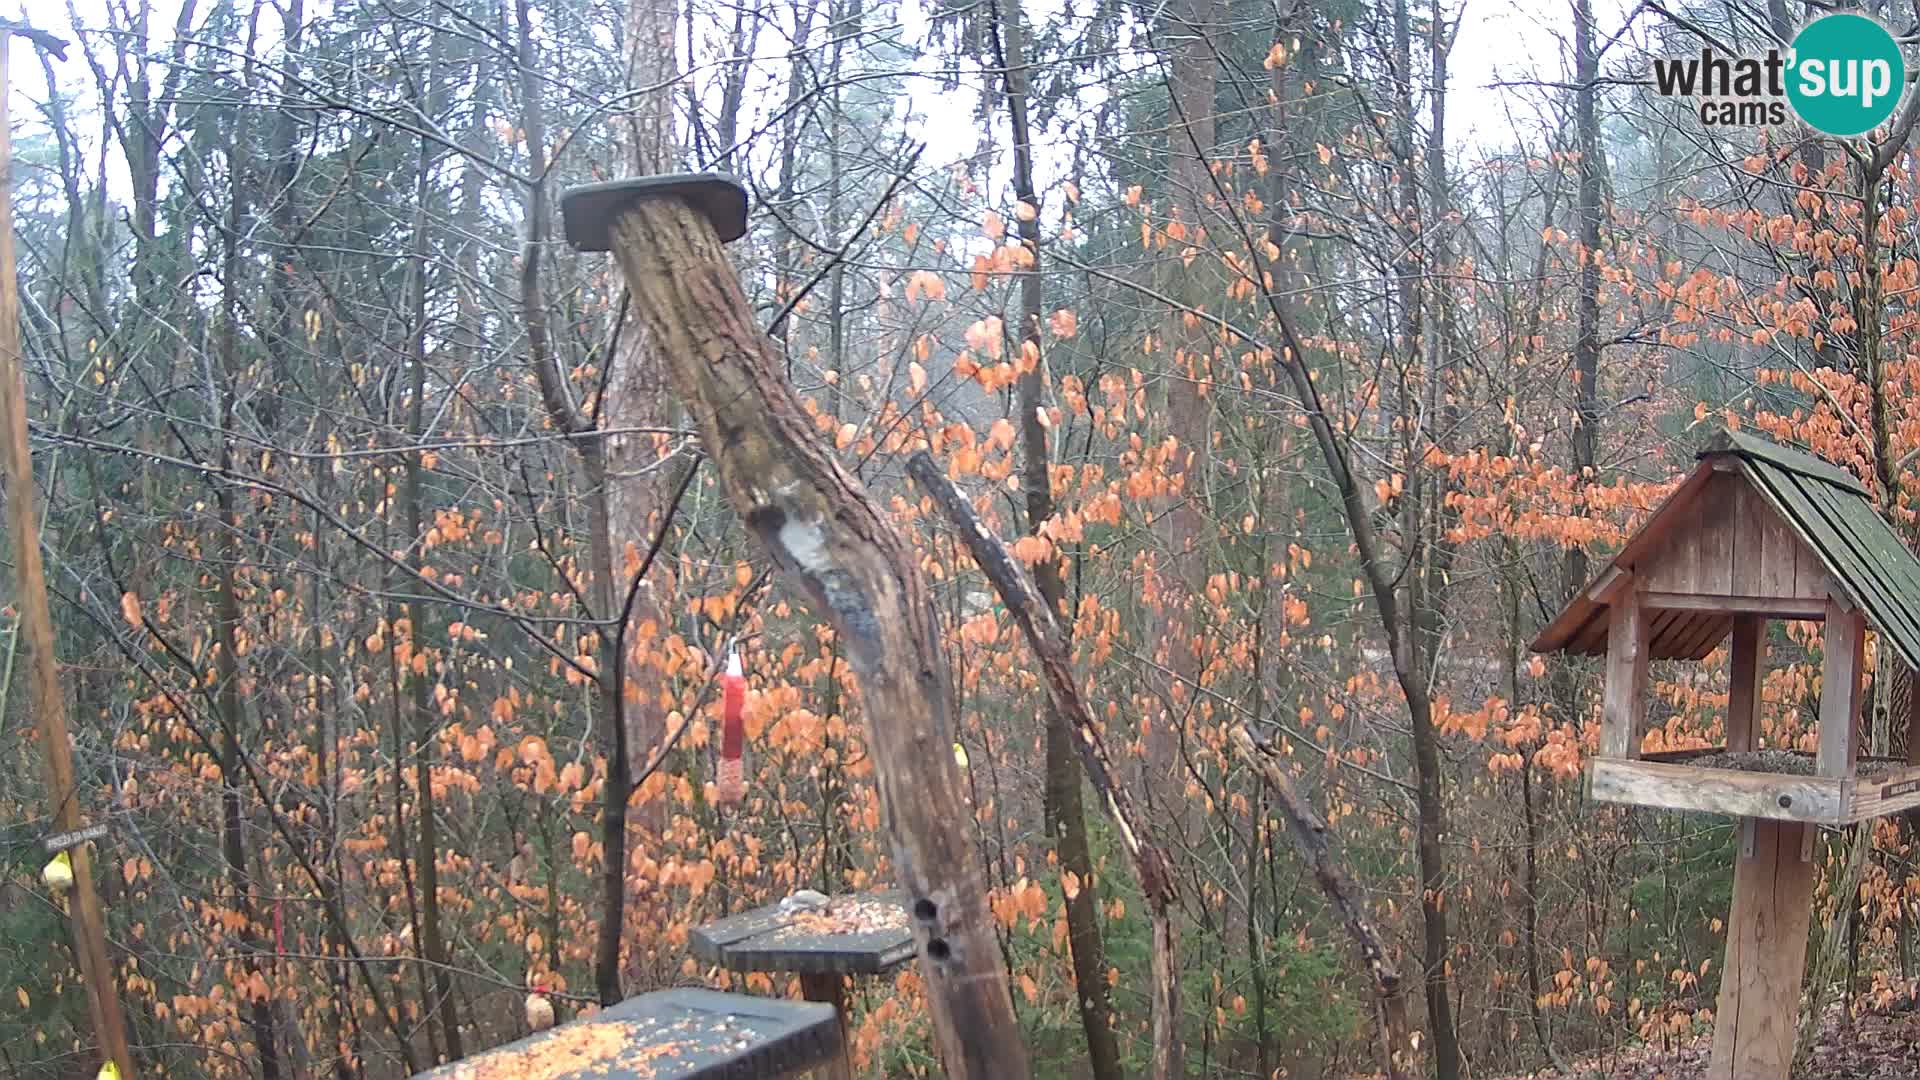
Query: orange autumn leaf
1032	549
925	283
1001	434
130	608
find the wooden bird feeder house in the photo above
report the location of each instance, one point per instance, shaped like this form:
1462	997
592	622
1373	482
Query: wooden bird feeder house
1756	532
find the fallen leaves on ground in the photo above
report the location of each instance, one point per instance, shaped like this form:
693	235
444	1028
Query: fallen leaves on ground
1870	1047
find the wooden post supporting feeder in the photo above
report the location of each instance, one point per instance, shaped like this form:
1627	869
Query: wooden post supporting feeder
1757	532
819	525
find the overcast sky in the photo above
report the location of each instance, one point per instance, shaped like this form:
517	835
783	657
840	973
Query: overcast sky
1499	41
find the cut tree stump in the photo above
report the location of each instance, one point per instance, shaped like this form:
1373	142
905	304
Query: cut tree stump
829	538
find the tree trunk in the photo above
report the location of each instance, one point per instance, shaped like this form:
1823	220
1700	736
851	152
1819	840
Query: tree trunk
227	625
1399	1053
1586	342
1417	637
1194	72
819	525
444	1005
610	723
1065	816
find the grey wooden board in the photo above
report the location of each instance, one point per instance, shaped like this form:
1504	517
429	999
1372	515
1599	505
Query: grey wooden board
675	1035
62	841
765	939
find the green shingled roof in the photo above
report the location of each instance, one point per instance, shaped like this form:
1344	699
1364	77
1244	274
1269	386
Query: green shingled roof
1833	514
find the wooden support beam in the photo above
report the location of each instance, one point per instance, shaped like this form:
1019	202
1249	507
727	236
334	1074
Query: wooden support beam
1626	694
1754	1025
1881	796
1818	799
1743	687
830	987
1843	644
1779	607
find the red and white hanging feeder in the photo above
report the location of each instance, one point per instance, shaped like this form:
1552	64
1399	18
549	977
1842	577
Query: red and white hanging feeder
730	784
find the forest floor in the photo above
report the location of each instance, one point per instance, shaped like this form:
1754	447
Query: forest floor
1870	1047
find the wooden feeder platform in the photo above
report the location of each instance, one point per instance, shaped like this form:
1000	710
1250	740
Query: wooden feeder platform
667	1035
1683	782
1756	532
857	934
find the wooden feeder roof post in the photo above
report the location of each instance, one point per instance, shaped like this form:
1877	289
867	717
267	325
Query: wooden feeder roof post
827	535
1757	531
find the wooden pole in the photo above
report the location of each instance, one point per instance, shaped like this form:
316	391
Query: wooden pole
1628	649
817	522
1759	1007
1754	1027
1843	644
830	987
36	622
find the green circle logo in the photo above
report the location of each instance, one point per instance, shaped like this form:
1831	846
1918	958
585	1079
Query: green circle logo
1846	74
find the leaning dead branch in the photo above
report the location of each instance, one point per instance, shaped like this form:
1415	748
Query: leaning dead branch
1049	644
1309	834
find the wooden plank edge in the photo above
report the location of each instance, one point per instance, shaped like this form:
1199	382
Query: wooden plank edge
1795	608
1731	792
1882	796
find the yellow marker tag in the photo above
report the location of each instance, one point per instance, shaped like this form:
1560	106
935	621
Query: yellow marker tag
109	1071
960	754
59	873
